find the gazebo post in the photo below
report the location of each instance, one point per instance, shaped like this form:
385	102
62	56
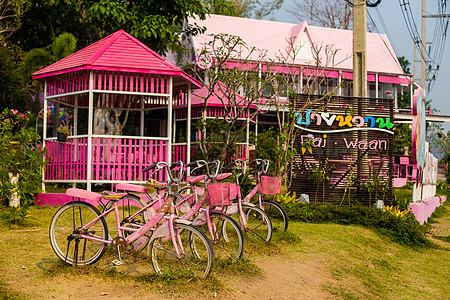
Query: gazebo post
247	138
169	121
75	128
44	130
142	125
188	125
90	122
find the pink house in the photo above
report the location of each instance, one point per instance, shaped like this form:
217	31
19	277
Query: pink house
120	95
313	45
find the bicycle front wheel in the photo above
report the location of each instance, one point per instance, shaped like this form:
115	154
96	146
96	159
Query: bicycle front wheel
195	258
228	241
259	226
277	214
65	229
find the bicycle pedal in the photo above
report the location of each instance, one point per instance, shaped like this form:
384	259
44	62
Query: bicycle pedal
117	262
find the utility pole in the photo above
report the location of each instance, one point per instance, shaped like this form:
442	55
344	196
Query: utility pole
359	49
415	59
423	66
360	75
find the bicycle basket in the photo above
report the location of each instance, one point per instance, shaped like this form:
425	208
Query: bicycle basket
219	194
233	188
270	185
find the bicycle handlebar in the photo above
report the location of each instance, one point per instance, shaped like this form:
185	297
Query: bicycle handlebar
208	165
161	165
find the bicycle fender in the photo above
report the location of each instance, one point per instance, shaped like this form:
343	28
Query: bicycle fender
161	231
185	222
248	204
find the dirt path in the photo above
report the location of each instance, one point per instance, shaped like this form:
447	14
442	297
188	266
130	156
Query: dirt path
283	279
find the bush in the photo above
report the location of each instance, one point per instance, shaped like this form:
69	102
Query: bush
19	156
405	231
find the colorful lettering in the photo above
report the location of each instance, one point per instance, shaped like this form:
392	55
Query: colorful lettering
344	120
360	119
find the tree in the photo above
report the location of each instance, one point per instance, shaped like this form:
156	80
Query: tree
253	75
243	8
404	63
38	58
330	13
154	22
45	20
12	95
284	88
220	135
10	13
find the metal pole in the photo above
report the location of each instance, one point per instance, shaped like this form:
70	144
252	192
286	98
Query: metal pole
423	67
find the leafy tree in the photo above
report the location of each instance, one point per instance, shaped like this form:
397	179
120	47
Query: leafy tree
45	20
19	157
404	63
10	13
38	58
402	138
156	23
11	92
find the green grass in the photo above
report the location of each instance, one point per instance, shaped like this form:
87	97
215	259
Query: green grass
365	265
355	262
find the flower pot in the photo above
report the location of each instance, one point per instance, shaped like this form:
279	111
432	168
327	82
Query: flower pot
61	137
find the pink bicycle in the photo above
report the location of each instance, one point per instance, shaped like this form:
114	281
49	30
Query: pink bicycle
255	223
79	235
206	211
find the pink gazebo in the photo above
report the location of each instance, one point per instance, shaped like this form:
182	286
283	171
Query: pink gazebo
99	83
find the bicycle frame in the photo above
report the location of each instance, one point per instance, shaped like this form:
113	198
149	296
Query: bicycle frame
164	230
198	204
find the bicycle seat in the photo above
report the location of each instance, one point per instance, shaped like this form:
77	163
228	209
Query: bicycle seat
223	176
79	193
131	187
194	179
156	184
112	196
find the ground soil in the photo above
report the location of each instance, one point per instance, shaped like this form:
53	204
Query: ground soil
29	272
28	263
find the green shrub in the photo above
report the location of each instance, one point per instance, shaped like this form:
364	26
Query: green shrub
405	231
19	156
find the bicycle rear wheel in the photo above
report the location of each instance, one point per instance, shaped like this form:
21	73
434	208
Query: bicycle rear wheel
277	214
259	226
228	239
64	233
196	261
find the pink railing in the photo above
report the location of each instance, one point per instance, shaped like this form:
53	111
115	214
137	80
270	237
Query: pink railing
179	152
66	161
113	159
123	159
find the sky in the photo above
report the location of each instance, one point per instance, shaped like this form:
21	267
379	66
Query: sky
402	43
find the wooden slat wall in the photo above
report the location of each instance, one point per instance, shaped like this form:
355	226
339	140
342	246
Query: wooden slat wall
339	152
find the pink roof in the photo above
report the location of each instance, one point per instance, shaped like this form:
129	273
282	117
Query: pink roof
272	36
116	52
198	97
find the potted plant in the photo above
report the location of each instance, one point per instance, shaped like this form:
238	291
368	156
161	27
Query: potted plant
63	132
